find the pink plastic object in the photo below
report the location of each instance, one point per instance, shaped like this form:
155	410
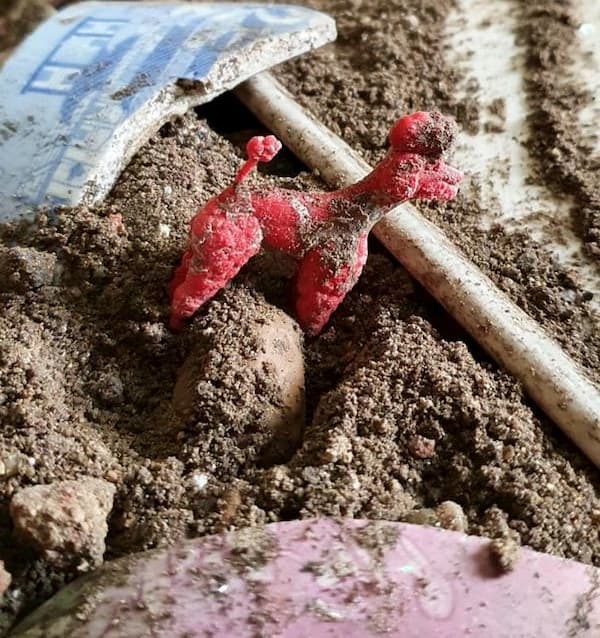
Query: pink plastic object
326	232
329	578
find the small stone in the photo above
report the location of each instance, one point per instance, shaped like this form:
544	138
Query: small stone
15	464
116	224
5	579
199	481
112	476
164	230
65	521
450	515
421	447
411	21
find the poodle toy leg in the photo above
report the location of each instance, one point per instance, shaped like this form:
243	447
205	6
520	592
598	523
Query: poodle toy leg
320	288
220	245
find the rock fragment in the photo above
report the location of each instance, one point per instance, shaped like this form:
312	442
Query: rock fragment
65	521
421	447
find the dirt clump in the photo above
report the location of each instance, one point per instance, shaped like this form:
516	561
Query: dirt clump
504	553
421	447
448	515
242	386
24	269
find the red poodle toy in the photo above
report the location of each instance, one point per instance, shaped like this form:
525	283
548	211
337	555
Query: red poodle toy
326	232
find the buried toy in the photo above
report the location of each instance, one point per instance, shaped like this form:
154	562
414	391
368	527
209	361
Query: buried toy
326	232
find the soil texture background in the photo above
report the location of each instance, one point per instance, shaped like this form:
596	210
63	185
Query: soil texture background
406	418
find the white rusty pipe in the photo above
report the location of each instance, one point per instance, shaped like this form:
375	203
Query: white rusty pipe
508	334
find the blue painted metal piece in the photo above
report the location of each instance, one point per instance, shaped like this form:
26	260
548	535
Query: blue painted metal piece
85	90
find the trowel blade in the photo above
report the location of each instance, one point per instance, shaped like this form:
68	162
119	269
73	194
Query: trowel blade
82	93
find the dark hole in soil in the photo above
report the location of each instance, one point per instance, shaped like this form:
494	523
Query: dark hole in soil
290	512
228	117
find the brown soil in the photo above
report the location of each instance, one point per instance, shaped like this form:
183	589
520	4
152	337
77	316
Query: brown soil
548	29
403	410
17	19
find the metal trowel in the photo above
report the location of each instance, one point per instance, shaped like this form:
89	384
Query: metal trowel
85	90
